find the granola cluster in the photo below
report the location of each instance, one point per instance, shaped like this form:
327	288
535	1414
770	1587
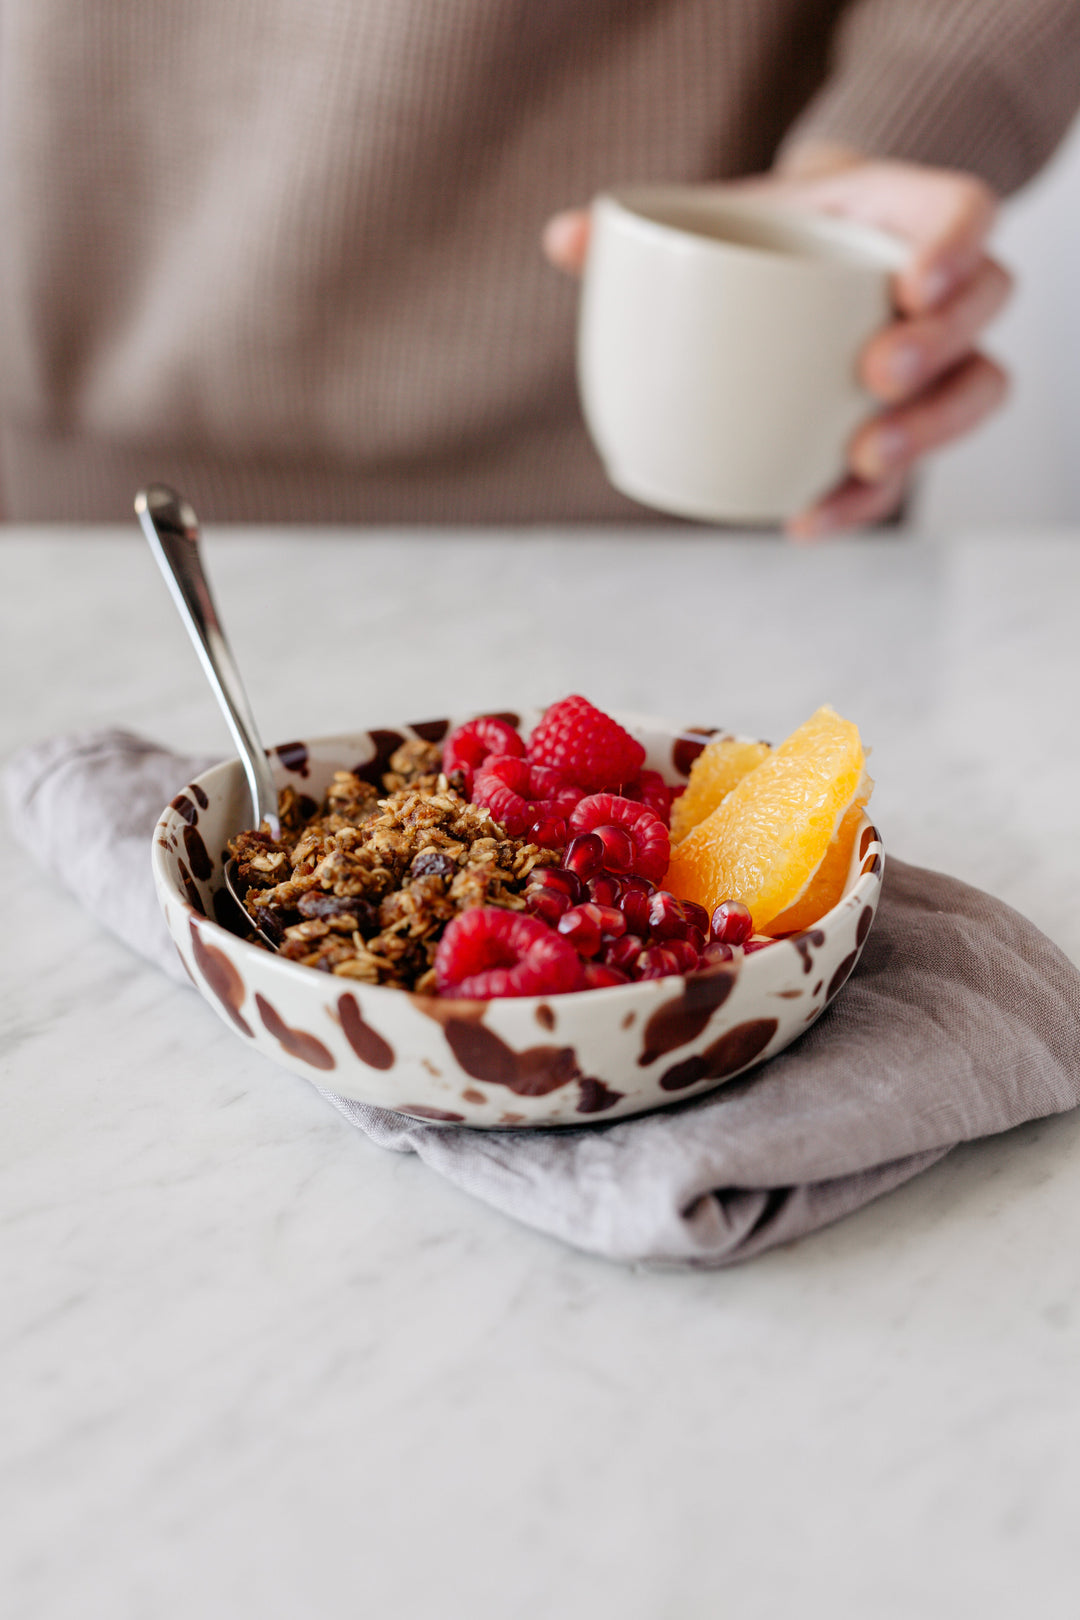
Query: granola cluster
364	885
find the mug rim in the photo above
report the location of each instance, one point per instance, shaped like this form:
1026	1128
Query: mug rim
628	205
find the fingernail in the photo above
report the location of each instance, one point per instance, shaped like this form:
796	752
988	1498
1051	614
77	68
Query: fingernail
904	365
885	449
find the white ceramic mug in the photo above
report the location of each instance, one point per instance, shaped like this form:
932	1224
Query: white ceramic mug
718	348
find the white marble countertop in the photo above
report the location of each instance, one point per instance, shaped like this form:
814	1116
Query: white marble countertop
252	1366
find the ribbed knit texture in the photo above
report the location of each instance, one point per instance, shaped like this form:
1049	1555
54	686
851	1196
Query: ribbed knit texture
286	251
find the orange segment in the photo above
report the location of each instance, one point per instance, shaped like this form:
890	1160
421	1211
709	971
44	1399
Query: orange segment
826	887
766	840
719	767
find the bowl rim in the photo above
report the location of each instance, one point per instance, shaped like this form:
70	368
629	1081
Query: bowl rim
860	891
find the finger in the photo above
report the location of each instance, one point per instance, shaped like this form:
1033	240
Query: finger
954	405
852	505
565	240
946	216
905	357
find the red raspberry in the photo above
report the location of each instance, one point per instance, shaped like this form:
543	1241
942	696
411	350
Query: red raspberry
649	836
488	952
650	789
588	745
519	794
467	748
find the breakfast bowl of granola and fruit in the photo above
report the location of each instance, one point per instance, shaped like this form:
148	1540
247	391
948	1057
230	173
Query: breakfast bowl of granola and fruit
527	919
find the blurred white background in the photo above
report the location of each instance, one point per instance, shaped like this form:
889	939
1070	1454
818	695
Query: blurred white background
1025	465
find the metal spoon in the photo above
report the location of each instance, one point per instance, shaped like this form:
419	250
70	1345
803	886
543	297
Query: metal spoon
170	525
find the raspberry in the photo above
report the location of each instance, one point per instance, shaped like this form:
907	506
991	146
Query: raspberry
469	746
649	836
588	745
519	794
488	952
650	789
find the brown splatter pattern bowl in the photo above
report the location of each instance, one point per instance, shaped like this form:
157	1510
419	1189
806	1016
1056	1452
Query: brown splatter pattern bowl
559	1060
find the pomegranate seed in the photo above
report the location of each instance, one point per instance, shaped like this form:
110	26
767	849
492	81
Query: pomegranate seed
548	831
696	916
688	958
581	925
612	921
618	848
557	877
732	923
623	953
635	908
584	855
656	963
666	918
598	976
715	953
642	885
695	937
604	890
756	945
548	904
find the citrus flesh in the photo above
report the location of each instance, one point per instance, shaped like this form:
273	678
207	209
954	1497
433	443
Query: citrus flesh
766	841
719	767
826	887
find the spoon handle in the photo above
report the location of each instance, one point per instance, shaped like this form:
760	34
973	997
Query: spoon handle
170	525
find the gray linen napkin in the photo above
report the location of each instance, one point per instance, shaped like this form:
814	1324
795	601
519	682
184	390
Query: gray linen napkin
961	1020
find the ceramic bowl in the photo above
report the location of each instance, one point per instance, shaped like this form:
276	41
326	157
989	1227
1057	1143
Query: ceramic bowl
528	1061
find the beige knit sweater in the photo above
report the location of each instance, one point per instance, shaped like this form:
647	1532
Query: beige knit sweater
284	253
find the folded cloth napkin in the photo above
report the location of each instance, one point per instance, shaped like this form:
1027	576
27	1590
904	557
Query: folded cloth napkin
961	1020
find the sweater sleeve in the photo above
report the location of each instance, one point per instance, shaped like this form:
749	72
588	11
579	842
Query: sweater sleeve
984	85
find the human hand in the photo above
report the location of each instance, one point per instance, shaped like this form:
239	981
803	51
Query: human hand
924	367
